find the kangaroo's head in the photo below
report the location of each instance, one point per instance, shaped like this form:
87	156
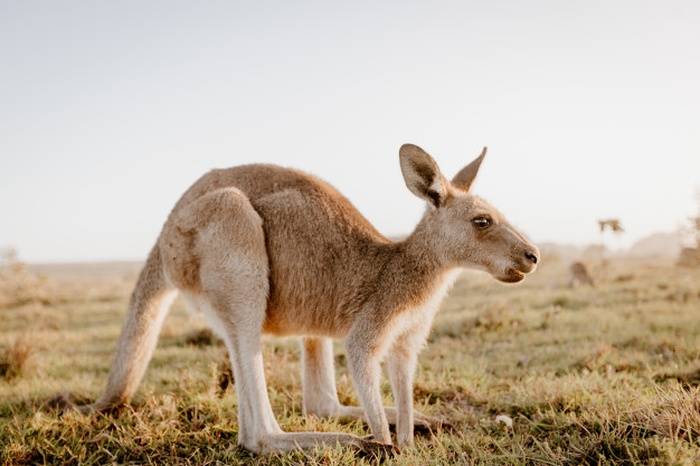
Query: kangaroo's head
463	229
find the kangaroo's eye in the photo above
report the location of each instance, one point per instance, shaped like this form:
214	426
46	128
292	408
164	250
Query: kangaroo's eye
481	222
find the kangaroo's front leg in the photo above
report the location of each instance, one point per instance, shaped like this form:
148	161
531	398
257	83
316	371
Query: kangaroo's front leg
364	350
318	378
320	394
401	367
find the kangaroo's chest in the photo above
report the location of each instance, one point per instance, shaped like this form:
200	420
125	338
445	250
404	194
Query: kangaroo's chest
420	316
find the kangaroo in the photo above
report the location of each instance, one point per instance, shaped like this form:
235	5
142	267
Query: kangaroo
265	249
580	275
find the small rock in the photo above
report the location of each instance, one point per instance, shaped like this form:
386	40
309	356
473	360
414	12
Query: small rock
505	420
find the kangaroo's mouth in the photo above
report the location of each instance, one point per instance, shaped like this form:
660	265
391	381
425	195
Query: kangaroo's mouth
512	276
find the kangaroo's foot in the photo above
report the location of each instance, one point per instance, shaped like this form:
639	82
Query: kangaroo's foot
287	441
66	402
422	423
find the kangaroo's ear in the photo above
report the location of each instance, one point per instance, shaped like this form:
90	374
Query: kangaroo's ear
422	175
466	176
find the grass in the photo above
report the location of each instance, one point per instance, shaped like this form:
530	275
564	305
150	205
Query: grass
605	375
13	359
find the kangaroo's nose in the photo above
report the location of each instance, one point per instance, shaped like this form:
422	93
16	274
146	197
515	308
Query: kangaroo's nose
532	257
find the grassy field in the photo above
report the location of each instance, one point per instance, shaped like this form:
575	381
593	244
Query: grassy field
605	375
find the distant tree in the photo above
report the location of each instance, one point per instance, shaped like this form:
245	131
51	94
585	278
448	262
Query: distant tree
612	224
8	255
690	256
695	222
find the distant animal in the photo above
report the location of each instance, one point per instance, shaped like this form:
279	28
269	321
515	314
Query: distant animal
265	249
580	275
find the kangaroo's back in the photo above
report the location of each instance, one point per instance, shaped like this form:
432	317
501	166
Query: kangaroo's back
322	252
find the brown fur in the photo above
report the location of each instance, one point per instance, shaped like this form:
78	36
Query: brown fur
271	249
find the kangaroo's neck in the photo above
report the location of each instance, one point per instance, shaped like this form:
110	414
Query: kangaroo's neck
414	271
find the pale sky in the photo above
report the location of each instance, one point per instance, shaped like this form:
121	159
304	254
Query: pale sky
110	110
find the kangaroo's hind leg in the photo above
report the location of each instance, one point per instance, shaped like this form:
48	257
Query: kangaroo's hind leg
232	263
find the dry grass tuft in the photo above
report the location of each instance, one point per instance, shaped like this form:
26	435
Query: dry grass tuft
203	337
688	379
13	360
224	377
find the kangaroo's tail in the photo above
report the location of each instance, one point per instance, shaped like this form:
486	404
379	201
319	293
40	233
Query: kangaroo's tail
148	307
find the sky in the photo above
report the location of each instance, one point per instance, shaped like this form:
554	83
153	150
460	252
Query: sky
110	110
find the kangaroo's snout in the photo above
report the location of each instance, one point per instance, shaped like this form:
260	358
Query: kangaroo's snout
532	257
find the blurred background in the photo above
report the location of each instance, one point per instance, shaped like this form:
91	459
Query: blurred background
110	110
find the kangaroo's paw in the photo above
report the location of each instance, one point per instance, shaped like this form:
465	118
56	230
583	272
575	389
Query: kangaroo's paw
424	425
